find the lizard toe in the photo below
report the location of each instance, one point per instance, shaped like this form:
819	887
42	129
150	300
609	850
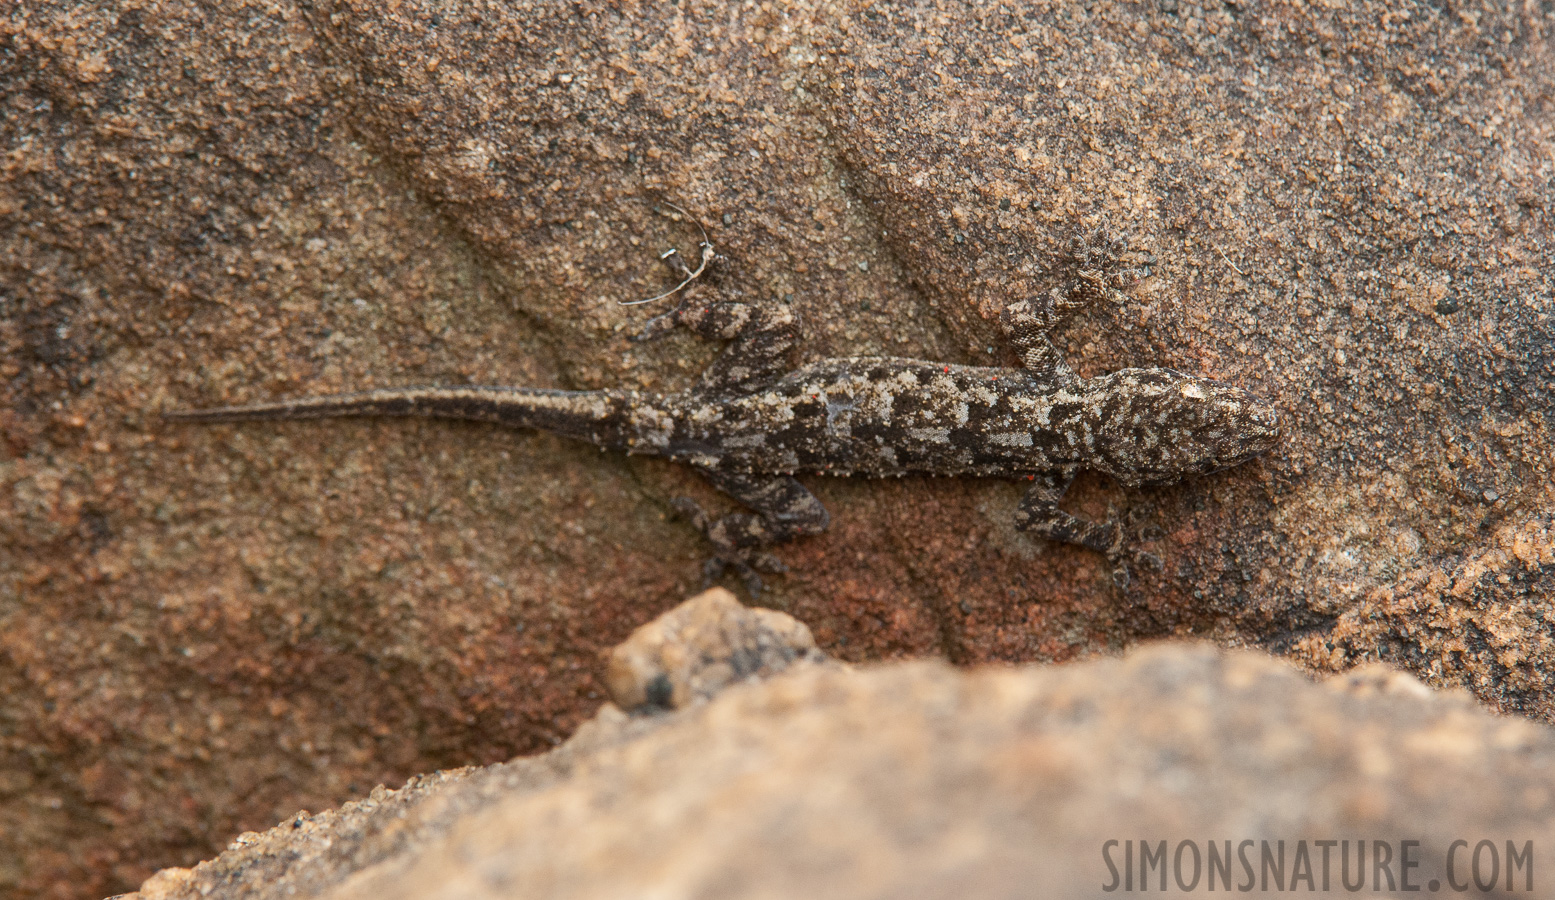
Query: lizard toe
712	570
693	512
766	562
752	581
657	327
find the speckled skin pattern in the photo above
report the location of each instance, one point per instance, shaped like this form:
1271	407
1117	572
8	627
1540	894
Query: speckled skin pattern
751	423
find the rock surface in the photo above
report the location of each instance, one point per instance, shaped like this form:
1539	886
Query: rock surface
922	780
207	202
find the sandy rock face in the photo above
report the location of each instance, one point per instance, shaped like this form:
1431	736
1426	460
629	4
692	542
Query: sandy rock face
202	630
927	781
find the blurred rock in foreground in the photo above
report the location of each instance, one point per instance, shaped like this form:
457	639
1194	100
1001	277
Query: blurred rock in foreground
927	781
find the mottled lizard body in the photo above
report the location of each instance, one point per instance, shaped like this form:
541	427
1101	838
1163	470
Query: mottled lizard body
750	423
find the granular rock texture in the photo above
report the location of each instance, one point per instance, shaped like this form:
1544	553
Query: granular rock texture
202	630
922	780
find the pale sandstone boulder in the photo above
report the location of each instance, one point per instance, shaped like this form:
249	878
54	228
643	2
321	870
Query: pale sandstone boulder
701	647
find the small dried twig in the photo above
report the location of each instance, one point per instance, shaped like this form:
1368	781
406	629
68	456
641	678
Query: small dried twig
1228	260
673	259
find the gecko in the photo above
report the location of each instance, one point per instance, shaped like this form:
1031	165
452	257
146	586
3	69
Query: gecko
752	421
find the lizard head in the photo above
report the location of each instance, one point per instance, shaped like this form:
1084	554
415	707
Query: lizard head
1159	425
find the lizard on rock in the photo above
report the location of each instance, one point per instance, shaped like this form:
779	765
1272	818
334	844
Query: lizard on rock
751	422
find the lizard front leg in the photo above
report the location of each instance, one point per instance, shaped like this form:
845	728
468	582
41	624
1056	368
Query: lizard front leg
782	509
1102	268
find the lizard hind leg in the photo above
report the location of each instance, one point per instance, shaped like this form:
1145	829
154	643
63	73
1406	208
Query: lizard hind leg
782	509
1039	512
762	338
1102	267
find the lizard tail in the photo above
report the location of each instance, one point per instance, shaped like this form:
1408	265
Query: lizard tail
592	416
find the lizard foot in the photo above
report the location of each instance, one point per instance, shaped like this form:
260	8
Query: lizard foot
729	553
1123	554
714	568
1104	259
658	326
1124	565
